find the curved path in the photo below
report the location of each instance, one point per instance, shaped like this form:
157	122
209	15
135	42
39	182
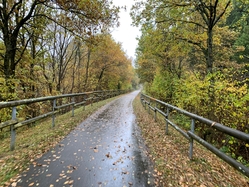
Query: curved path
104	150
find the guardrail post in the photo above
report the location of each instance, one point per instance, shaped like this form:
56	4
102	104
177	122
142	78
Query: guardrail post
53	117
143	103
12	130
149	106
73	106
84	106
191	140
155	112
167	124
92	99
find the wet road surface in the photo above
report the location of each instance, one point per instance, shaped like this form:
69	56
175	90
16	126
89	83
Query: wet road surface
104	150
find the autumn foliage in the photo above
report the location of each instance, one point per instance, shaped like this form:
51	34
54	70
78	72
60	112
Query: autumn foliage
192	54
59	47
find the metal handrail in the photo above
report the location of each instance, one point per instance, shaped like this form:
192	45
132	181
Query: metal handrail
190	135
15	123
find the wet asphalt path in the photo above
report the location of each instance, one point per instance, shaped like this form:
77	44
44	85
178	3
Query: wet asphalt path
104	150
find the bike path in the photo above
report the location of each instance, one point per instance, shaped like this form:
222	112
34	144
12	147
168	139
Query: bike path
104	150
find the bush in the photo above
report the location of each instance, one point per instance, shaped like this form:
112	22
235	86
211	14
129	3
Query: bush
217	97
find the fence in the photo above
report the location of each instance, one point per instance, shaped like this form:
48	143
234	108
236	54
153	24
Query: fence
72	101
153	104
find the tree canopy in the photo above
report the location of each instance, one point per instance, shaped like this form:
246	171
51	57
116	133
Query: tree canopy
45	41
194	54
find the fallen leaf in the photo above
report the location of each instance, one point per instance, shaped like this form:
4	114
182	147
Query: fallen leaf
108	155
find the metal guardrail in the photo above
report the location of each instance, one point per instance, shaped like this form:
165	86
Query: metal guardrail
88	98
191	136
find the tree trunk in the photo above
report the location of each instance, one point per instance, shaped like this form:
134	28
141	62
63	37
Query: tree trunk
10	66
210	71
9	57
99	79
87	68
210	51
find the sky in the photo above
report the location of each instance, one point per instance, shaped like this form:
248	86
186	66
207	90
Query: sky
125	33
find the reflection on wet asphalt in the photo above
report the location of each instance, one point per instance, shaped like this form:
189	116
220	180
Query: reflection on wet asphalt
102	151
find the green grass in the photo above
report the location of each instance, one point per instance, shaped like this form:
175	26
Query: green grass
32	142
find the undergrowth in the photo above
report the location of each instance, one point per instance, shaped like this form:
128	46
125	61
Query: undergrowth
169	154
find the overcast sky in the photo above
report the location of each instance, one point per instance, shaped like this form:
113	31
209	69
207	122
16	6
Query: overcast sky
125	33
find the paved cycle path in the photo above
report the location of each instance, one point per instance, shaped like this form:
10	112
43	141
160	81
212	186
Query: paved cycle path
104	150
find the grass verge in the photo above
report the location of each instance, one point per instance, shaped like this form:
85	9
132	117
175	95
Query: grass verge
172	166
33	142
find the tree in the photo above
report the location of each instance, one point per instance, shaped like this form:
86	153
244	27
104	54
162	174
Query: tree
109	65
202	15
17	15
238	21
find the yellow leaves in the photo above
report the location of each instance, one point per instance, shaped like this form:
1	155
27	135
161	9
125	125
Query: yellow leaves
217	41
31	184
2	80
231	142
240	48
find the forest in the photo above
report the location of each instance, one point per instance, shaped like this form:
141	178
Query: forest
58	47
194	55
191	54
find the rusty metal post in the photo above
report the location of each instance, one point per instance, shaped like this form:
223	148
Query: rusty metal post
191	147
13	130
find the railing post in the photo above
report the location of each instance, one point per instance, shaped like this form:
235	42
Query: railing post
149	106
191	140
167	124
73	107
92	99
84	106
13	130
53	117
144	104
155	112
